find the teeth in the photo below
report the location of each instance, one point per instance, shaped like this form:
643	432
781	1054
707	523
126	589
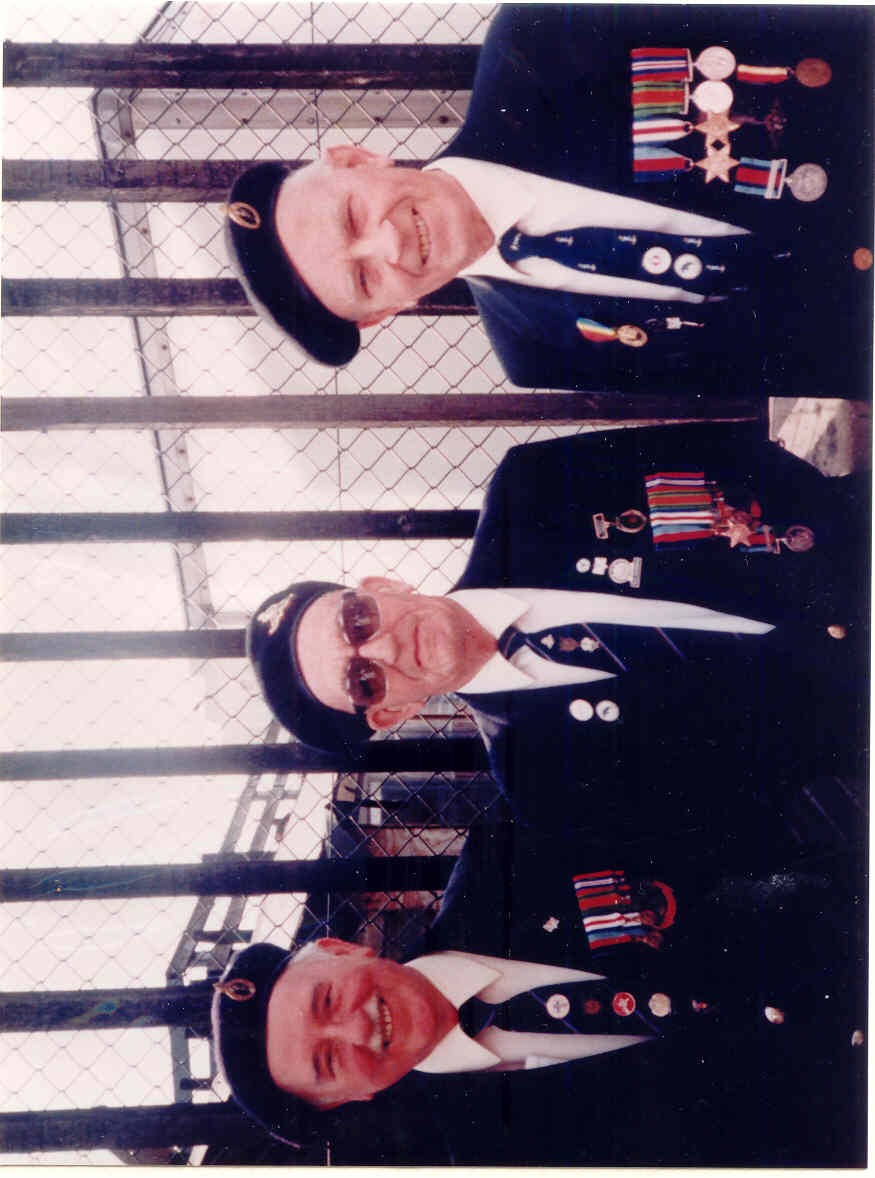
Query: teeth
423	237
381	1023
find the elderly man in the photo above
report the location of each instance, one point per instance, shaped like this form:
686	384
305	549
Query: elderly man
663	627
698	1007
743	261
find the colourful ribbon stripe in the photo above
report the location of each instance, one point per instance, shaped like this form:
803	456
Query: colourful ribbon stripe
763	75
662	65
604	901
760	177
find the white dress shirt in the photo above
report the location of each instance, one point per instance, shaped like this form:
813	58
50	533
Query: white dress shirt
507	197
459	976
533	610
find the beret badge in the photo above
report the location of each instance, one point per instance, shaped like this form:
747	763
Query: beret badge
272	615
237	989
244	215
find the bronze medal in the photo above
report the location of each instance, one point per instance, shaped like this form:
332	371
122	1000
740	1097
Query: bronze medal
799	538
813	72
632	337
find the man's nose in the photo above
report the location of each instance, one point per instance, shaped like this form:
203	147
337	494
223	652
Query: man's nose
378	241
354	1026
383	648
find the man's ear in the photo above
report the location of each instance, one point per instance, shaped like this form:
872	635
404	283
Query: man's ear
344	948
384	584
381	716
348	155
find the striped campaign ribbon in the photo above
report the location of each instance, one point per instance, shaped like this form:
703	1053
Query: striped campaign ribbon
763	75
661	65
657	163
760	177
657	98
659	130
686	508
604	901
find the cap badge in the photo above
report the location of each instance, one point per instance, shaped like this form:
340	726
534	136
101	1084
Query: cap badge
237	989
244	215
272	615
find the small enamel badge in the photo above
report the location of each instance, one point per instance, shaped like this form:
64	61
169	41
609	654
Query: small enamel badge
272	615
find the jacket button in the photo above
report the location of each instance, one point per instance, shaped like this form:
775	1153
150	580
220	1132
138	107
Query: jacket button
607	710
581	709
836	631
862	259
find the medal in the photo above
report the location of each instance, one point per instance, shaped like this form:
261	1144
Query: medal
631	521
598	333
811	72
626	572
716	163
798	538
712	97
715	62
767	178
716	128
807	182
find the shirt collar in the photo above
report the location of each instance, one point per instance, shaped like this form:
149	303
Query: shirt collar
458	978
502	195
495	610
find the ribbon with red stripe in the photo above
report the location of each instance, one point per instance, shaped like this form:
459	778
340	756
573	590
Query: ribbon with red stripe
763	75
659	130
760	177
686	508
661	65
657	163
605	903
660	98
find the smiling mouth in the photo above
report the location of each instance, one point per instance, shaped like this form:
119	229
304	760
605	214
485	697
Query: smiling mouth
423	236
381	1017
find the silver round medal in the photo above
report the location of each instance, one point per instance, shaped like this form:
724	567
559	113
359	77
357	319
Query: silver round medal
807	182
715	62
688	267
558	1006
712	97
607	710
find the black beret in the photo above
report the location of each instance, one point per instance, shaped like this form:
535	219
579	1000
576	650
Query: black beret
271	646
239	1017
272	284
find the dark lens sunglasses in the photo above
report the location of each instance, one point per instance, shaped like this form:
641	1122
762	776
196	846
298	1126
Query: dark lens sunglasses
359	620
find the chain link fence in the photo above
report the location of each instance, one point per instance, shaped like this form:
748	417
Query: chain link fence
65	588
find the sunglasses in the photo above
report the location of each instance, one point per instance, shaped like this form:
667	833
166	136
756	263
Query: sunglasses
358	619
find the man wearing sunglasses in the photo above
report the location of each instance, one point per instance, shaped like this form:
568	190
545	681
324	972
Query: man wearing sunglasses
657	628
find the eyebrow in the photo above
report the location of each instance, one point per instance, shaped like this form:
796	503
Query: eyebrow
347	237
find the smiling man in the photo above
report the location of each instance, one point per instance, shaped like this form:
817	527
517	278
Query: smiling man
596	632
745	254
516	975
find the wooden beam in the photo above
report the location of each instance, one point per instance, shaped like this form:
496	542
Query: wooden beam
397	873
362	411
172	296
457	754
130	180
92	1010
125	527
123	644
150	65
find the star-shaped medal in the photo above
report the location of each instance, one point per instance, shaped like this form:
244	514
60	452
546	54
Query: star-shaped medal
717	162
739	531
716	128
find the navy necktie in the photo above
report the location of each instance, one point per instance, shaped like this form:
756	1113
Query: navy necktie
571	1008
706	265
615	647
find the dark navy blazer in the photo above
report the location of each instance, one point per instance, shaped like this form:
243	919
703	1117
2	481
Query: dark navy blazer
718	747
552	96
724	1087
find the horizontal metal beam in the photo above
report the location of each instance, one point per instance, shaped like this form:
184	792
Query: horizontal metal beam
141	181
123	644
150	65
125	527
93	1010
172	296
399	873
213	1123
459	754
358	410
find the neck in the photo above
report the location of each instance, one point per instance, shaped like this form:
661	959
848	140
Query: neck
480	236
480	645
